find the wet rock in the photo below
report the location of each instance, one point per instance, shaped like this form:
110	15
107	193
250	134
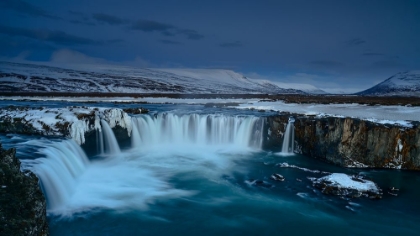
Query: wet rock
277	177
22	204
259	183
136	111
349	142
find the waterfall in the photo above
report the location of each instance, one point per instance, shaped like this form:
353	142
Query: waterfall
111	144
100	141
289	137
64	162
197	129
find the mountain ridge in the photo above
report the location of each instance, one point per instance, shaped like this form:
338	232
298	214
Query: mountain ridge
405	83
18	77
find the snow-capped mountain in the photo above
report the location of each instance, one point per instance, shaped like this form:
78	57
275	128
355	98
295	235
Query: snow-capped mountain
402	84
307	88
18	77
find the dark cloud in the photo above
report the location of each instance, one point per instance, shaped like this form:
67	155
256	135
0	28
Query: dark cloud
372	54
231	44
326	63
76	13
81	22
55	36
386	64
355	42
165	29
26	8
191	34
170	42
114	41
79	18
108	19
151	26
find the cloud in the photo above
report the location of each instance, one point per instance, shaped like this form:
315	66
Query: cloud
108	19
81	22
170	42
80	18
114	41
372	54
386	64
355	42
66	56
326	63
151	26
231	44
26	8
166	29
54	36
191	34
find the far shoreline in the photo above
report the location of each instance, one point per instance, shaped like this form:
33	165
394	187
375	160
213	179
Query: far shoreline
287	98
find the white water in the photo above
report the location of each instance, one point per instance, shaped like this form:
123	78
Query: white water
166	146
195	129
111	144
100	141
289	137
64	162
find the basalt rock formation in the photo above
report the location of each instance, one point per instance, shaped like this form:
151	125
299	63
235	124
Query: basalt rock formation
350	142
22	204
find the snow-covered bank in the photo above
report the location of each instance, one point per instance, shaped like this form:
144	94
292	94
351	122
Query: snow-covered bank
152	100
69	121
399	115
383	114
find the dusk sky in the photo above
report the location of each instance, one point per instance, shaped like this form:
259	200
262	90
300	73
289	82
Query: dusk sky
334	45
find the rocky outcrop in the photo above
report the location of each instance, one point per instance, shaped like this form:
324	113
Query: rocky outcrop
71	122
350	142
348	186
22	204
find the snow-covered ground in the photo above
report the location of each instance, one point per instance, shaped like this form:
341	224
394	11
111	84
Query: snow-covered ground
119	79
401	115
157	100
381	114
402	84
75	119
345	181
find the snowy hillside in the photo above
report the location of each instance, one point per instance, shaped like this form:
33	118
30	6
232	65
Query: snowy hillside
16	77
401	84
308	88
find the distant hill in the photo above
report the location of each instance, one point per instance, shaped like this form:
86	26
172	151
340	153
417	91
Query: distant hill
402	84
16	77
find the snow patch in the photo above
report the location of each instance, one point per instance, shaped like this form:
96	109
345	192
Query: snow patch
346	181
74	120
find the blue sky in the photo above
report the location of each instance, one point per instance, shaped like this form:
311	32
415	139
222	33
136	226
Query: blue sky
334	45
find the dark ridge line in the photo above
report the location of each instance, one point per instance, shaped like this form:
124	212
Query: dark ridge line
288	98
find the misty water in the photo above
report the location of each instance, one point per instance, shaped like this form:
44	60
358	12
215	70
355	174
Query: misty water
179	178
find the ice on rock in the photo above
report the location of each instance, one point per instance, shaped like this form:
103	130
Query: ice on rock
77	120
346	185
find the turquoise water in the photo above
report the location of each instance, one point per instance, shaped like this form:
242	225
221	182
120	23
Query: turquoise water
201	190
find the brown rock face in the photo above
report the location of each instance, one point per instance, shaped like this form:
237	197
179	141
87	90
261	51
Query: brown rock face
350	142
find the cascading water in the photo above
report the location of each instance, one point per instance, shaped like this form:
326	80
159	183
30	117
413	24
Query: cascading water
73	184
64	162
289	137
111	144
100	141
168	128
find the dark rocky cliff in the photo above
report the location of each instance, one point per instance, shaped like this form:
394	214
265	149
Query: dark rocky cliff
22	204
350	142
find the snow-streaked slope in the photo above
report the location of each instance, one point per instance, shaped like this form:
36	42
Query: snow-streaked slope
308	88
39	78
401	84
